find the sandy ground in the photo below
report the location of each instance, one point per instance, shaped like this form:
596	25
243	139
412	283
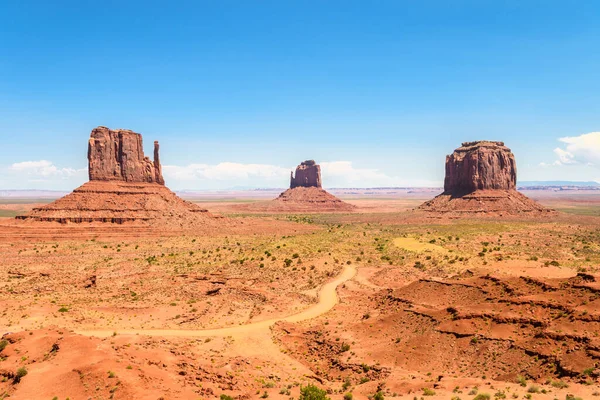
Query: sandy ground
376	300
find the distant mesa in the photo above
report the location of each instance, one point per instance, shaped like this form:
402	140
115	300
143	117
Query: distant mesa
308	174
481	178
306	192
124	186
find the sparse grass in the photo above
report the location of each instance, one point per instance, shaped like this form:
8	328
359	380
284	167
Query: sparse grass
533	389
560	384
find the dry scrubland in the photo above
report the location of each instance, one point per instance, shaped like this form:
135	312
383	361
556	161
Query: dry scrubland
428	308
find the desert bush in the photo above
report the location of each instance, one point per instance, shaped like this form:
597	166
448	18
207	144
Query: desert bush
500	394
3	344
378	396
348	396
533	389
560	384
312	392
21	372
482	396
428	392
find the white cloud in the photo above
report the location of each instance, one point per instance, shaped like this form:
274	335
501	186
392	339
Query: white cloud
41	174
43	169
230	174
583	149
45	174
240	174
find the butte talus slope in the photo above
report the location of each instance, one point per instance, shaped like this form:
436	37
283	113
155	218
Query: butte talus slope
124	186
306	193
481	178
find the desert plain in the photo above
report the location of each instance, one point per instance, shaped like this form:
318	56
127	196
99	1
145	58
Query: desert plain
378	302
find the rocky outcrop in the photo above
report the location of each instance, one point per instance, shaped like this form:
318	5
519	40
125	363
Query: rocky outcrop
308	174
306	194
481	179
118	155
124	187
480	165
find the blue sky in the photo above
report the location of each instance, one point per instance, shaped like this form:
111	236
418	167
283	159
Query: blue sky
239	92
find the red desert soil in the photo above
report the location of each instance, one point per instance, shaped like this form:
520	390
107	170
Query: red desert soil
269	304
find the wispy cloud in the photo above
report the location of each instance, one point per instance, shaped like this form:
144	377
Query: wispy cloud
583	149
226	172
45	174
44	169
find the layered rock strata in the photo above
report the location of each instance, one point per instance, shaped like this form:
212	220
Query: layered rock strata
306	193
481	178
125	186
308	174
118	155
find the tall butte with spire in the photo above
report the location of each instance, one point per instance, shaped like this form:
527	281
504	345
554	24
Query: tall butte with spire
124	186
481	178
306	192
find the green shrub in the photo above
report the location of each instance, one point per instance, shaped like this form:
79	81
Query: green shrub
560	384
225	397
482	396
533	389
3	344
348	396
378	396
21	372
428	392
311	392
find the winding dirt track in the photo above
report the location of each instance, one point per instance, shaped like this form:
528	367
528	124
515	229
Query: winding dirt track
327	300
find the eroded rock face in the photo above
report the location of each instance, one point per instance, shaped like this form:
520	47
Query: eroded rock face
118	155
481	165
308	174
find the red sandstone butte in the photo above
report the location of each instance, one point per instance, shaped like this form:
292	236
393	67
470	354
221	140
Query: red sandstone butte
480	166
481	178
308	174
118	155
124	187
306	193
